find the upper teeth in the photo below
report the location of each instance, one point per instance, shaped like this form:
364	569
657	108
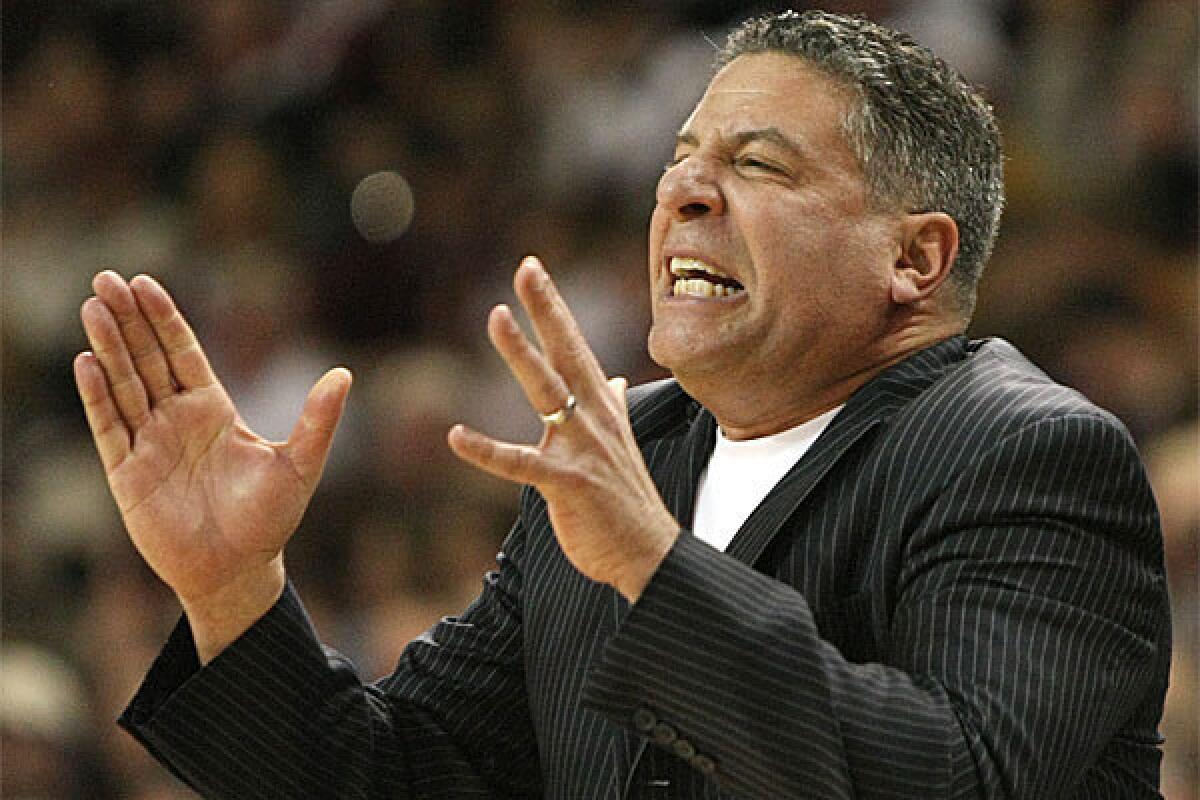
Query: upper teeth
698	287
681	266
691	278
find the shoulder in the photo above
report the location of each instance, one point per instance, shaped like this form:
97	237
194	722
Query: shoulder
996	389
995	407
994	441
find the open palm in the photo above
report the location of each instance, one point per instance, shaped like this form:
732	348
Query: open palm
204	499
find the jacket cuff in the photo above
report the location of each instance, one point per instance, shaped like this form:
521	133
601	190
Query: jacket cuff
177	689
635	682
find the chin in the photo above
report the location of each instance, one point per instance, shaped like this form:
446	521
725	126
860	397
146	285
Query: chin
655	348
678	355
664	349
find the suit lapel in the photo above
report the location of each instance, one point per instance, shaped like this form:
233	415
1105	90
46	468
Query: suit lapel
872	404
675	462
764	523
682	474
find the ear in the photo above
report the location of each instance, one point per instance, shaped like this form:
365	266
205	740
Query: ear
927	251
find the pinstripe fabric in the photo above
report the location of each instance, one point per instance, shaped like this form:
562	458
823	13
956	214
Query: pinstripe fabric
958	592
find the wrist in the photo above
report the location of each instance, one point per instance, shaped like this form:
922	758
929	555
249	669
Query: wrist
640	569
218	618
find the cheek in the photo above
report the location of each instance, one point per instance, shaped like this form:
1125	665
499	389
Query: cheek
821	277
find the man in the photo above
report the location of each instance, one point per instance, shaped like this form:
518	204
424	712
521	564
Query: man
942	573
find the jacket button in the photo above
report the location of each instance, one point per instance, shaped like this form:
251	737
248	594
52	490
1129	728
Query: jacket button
664	734
644	719
683	748
704	765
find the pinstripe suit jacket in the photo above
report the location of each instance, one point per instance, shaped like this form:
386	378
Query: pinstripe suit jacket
958	592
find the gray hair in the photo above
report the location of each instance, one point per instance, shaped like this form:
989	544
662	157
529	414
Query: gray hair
925	139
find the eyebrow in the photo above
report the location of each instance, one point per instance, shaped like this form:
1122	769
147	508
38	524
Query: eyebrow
772	135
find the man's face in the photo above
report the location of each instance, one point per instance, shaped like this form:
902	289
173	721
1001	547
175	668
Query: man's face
766	197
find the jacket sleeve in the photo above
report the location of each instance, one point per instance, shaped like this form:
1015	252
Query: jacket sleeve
279	715
1029	620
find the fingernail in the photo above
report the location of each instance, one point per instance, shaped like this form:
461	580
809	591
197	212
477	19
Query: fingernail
500	315
539	272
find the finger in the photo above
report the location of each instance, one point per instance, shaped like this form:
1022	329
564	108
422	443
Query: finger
143	345
108	431
557	331
109	348
512	462
184	355
308	445
543	387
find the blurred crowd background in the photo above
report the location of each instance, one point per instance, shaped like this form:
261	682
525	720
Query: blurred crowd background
215	144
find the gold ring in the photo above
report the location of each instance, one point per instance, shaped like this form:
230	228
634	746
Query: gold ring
555	418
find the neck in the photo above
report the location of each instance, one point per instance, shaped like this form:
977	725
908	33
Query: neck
752	406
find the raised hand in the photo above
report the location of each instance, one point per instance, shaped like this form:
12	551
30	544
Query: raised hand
606	512
208	503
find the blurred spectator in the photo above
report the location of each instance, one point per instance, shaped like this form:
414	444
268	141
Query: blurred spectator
1173	459
42	718
215	144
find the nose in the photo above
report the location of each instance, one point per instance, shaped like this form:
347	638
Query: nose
689	190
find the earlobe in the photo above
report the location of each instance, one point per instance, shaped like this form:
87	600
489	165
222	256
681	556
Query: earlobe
927	252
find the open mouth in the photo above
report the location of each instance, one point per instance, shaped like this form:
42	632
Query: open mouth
694	278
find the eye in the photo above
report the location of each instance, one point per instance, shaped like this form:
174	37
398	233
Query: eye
755	163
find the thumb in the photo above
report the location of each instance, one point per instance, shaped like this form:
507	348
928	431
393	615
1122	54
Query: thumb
311	437
617	386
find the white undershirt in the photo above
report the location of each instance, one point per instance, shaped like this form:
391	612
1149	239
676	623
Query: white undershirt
741	473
